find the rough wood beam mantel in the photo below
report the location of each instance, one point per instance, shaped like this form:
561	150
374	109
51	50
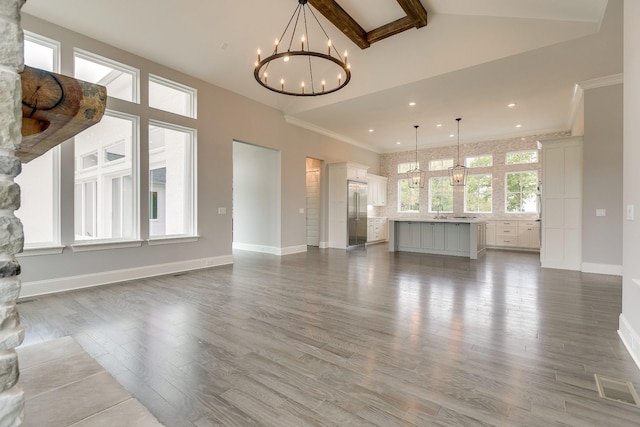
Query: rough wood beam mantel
54	109
390	29
415	11
342	20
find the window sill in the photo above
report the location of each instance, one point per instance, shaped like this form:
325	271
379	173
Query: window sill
169	240
40	250
102	245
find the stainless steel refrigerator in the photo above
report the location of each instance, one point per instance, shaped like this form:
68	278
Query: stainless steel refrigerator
356	213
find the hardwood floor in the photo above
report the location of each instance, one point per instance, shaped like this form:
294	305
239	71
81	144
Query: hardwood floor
357	337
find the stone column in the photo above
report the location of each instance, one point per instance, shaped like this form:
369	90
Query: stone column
11	235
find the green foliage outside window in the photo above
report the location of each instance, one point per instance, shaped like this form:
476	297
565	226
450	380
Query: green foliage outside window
440	194
520	157
478	194
408	198
521	191
479	161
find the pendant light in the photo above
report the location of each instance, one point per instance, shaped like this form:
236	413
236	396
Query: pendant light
416	175
458	173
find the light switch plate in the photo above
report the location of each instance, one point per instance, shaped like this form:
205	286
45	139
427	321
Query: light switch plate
601	212
301	210
222	211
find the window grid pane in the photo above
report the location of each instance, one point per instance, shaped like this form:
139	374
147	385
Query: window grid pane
440	165
478	194
108	209
479	161
171	178
406	167
440	195
121	81
521	192
521	157
408	197
173	97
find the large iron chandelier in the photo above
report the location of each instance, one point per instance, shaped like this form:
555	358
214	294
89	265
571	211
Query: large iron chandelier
458	173
416	175
303	72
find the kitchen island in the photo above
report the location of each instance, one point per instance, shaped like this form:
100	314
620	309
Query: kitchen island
451	236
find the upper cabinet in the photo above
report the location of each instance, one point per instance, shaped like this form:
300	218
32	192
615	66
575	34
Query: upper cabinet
377	188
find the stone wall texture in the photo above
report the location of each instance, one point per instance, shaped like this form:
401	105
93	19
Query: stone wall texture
498	148
11	234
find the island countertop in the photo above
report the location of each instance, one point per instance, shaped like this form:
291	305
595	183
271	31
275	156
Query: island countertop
457	220
463	236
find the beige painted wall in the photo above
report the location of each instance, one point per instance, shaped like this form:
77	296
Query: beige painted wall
602	176
222	118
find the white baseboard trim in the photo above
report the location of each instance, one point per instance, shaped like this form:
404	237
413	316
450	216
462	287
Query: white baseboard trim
293	250
630	339
41	287
270	249
610	269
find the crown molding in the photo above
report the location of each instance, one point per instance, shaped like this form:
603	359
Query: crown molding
613	79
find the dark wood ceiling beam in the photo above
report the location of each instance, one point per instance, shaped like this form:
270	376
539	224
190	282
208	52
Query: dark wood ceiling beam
390	29
415	11
342	20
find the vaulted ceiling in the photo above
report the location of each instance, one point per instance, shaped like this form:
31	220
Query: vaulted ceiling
472	59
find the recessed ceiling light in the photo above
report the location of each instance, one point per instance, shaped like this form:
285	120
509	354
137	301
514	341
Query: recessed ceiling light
370	130
511	105
518	126
412	104
398	142
451	136
439	125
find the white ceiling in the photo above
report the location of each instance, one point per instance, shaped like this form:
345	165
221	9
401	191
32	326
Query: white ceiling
471	60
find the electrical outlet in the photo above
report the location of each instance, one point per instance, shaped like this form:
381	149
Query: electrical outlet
601	212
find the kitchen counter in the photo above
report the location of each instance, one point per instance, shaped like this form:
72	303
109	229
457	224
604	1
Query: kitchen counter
444	236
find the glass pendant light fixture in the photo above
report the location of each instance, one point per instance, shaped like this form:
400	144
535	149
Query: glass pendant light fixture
458	173
416	175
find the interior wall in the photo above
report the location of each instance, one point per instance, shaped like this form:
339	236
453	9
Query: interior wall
630	317
223	117
602	179
256	196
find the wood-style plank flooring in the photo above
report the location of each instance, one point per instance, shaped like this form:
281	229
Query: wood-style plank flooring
358	337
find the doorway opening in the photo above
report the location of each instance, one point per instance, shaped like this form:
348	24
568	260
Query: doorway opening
314	174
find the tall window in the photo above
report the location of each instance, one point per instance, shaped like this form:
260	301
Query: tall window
407	166
479	161
171	96
171	180
105	179
478	194
120	80
520	191
40	178
440	195
408	198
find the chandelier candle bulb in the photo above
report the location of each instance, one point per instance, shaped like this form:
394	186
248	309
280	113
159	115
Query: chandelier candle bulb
302	86
345	56
339	79
323	85
276	49
329	47
265	77
258	57
282	84
302	43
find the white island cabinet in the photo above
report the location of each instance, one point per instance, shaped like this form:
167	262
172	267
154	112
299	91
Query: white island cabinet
458	236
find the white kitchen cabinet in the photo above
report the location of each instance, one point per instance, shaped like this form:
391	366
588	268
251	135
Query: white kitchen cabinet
506	233
561	194
377	190
491	233
529	234
377	230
